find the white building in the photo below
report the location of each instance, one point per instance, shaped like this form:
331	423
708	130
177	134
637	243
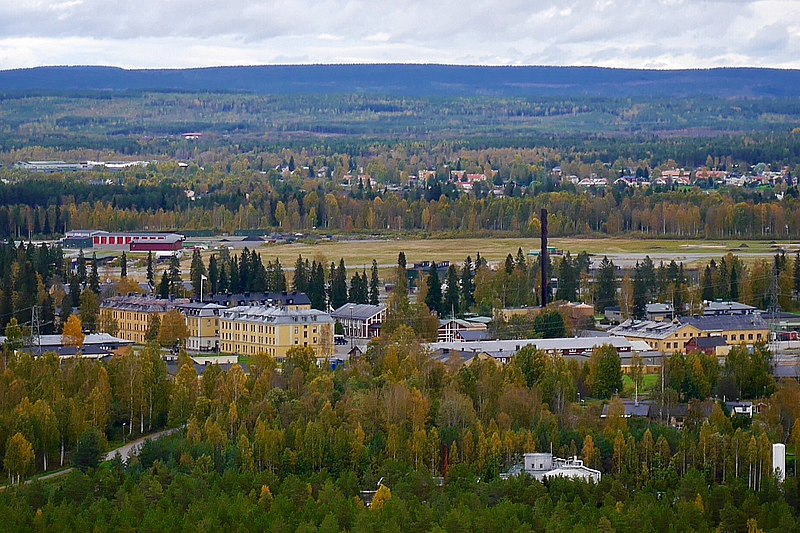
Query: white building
360	321
543	466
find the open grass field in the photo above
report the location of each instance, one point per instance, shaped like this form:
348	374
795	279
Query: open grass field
623	251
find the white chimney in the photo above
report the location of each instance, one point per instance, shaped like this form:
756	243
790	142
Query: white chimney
779	461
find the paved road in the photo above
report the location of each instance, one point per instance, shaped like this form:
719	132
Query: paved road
134	447
126	452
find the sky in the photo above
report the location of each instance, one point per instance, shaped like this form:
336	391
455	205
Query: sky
663	34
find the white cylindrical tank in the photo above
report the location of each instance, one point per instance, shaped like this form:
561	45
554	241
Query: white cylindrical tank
779	461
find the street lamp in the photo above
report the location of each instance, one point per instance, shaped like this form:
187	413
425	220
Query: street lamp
123	432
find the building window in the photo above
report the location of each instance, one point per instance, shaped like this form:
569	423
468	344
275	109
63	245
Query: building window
750	336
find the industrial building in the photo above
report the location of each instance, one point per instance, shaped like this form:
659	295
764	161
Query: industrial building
123	242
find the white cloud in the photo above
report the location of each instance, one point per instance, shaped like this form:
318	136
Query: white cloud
183	33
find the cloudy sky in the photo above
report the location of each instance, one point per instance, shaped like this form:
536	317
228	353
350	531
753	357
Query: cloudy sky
612	33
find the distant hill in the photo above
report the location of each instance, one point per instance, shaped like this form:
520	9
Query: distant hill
413	80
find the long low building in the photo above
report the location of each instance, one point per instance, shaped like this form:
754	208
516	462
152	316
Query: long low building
250	330
127	242
673	336
503	350
95	345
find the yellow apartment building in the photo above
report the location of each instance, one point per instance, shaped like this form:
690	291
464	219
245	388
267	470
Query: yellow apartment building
672	336
202	321
249	330
133	314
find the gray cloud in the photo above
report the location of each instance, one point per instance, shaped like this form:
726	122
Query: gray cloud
618	33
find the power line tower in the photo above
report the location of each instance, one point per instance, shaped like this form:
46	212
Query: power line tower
36	326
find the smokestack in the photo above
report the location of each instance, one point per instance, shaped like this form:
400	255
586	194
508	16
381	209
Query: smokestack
543	258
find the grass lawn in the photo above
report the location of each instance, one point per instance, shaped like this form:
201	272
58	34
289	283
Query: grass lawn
649	382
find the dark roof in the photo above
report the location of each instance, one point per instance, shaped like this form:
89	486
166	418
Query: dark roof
632	409
471	336
727	322
262	298
709	342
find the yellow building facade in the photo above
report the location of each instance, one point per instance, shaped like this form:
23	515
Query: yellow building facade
250	330
133	314
671	337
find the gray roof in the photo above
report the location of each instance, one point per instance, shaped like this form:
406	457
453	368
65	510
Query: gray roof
727	306
91	339
142	304
358	311
510	347
632	409
727	323
260	298
646	329
274	315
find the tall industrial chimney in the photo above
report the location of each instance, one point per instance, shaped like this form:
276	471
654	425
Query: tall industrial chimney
544	260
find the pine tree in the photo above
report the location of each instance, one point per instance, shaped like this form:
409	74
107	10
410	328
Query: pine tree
434	297
123	268
374	283
734	293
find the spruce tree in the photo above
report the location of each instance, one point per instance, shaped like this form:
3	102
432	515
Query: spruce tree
467	285
197	271
452	295
94	277
151	276
163	286
175	283
213	274
606	285
316	287
123	267
434	297
300	280
339	285
82	274
374	283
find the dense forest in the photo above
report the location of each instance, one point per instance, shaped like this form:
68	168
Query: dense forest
46	206
289	446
